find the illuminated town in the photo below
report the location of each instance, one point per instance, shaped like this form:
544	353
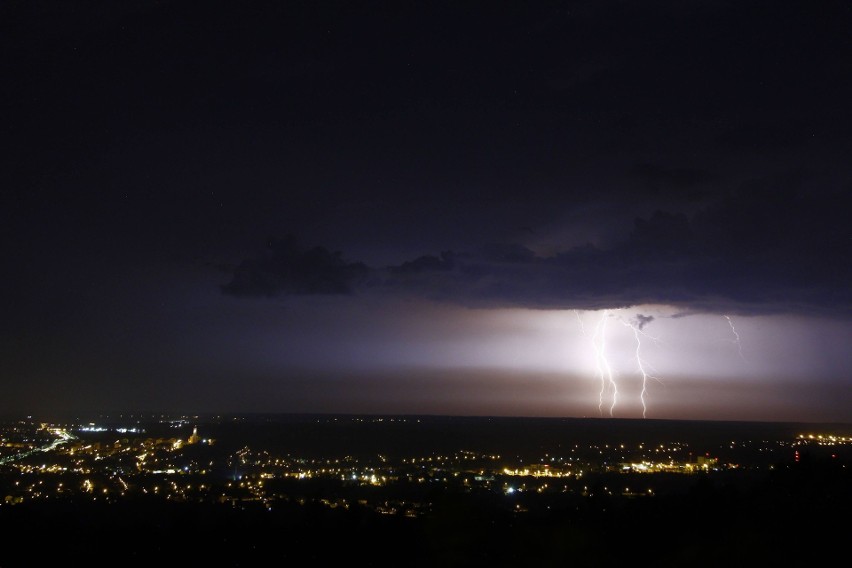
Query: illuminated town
442	491
173	458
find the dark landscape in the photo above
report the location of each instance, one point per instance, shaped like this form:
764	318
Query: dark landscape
423	491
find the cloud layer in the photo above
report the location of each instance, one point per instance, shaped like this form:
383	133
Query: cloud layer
769	247
286	268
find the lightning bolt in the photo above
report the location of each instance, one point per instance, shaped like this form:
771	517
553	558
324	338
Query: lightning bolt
603	366
580	321
639	363
605	371
736	337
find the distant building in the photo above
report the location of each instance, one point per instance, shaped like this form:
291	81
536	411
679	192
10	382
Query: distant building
194	438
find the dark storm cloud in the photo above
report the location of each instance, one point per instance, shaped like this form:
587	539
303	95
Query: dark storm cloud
400	130
286	268
507	252
642	320
773	245
426	263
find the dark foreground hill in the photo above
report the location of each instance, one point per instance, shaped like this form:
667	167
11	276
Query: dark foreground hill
794	513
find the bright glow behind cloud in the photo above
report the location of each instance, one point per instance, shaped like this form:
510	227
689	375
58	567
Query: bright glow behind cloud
329	355
440	336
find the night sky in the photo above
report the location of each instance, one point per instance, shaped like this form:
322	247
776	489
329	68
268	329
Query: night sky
464	208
